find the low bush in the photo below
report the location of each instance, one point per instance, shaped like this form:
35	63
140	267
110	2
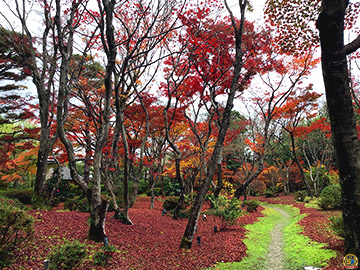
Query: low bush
157	192
337	225
269	193
13	202
252	205
171	188
77	203
71	204
104	256
300	195
142	186
330	197
38	202
184	213
170	203
257	188
228	211
83	205
23	195
16	226
68	256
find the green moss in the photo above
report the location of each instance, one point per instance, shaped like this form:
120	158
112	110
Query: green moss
257	241
299	250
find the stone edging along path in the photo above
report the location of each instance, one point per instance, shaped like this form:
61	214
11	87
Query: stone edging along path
276	242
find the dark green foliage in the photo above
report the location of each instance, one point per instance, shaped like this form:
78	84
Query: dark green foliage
38	202
65	190
142	186
269	193
22	195
227	210
83	205
16	226
171	188
105	255
68	256
157	192
71	204
337	225
300	195
184	213
77	203
170	203
330	197
252	205
13	202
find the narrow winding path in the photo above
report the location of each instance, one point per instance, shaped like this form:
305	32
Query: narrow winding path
275	257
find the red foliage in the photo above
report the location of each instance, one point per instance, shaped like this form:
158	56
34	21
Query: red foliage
152	243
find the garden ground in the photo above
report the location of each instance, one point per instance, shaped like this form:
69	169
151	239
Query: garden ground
153	241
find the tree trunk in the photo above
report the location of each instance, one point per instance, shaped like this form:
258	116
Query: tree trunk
180	180
42	166
97	222
219	185
339	102
186	241
125	213
301	169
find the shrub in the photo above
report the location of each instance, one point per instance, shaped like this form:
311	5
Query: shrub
71	204
184	213
105	255
269	193
170	203
252	205
142	186
77	203
38	202
337	225
171	188
16	226
23	195
13	202
330	197
300	195
227	210
83	205
68	256
157	192
257	187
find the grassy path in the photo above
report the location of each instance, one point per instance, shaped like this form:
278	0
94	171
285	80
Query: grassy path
276	242
275	257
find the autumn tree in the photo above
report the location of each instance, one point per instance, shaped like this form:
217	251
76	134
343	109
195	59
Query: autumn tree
234	87
339	101
17	134
30	48
334	18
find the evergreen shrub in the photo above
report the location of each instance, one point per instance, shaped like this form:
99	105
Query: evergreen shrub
68	256
16	226
330	197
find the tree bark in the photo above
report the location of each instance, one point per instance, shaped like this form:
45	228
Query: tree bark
296	160
180	180
186	241
339	102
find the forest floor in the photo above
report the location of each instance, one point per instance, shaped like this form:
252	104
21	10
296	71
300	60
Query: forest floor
153	241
